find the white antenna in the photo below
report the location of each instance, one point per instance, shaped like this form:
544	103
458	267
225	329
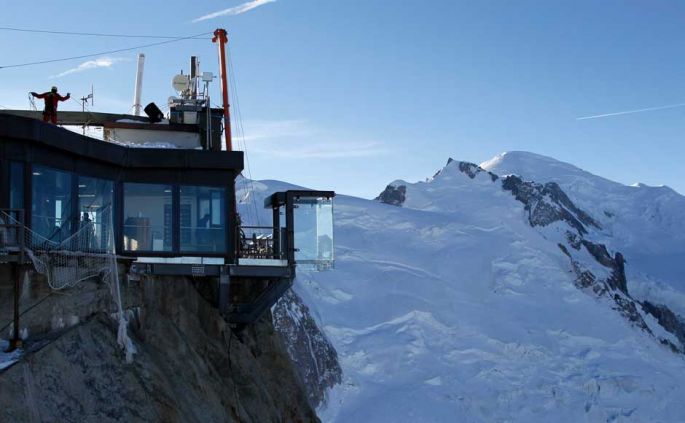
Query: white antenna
138	92
84	101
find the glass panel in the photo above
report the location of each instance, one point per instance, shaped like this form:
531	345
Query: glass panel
147	217
313	231
95	198
324	230
203	219
16	185
51	203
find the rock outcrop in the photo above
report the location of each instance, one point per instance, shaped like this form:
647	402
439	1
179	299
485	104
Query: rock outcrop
472	169
189	367
672	322
548	203
393	195
315	358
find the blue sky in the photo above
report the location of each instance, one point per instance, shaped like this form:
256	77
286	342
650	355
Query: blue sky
353	94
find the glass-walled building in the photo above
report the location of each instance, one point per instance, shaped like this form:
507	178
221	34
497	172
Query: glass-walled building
305	221
166	211
159	202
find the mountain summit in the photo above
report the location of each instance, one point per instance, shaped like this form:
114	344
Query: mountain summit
647	223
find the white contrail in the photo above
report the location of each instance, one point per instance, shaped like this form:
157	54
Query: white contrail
236	10
627	112
100	62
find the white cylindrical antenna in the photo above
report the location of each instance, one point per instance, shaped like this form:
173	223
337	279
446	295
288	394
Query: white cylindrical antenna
139	85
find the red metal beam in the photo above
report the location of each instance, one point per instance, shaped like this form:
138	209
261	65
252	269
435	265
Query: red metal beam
221	36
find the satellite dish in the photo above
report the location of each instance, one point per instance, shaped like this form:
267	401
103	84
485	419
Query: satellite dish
180	83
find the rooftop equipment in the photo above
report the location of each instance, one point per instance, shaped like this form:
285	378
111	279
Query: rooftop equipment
153	112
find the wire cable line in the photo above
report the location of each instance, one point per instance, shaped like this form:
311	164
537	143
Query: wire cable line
83	56
240	135
86	34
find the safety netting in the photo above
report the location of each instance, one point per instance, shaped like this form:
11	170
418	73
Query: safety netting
86	254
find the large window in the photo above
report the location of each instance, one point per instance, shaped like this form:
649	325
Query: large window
95	199
147	217
16	185
203	219
51	203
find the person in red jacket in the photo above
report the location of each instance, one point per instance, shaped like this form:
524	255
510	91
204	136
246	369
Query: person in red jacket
51	99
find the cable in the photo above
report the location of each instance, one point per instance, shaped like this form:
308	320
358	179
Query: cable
36	304
87	34
241	135
81	104
27	310
83	56
32	103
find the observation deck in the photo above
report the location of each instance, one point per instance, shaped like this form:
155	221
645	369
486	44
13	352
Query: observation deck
164	211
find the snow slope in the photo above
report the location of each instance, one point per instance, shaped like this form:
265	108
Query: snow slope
647	224
454	308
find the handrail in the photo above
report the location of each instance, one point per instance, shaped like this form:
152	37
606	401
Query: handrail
260	242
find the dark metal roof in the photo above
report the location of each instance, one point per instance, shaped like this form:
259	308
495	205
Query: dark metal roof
49	136
279	198
70	117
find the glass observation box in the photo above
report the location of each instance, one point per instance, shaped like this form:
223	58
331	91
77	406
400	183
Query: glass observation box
303	225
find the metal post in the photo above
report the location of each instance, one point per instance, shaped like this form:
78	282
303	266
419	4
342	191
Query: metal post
15	342
193	77
83	110
276	221
290	227
221	36
208	103
139	85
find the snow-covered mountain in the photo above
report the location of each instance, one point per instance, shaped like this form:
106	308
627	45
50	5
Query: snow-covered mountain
647	224
480	297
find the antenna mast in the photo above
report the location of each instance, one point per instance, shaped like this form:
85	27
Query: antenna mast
221	36
84	101
139	84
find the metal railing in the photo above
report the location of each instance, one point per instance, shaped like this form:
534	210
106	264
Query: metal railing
261	242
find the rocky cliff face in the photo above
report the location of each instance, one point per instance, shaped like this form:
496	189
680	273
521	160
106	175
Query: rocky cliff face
190	366
547	203
471	170
315	358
